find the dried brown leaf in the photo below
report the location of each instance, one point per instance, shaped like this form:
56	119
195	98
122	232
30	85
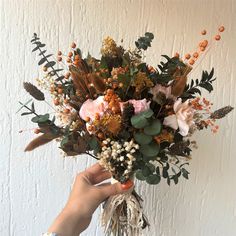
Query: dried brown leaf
39	141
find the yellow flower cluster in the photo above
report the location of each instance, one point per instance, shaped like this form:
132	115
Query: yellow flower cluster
109	47
141	82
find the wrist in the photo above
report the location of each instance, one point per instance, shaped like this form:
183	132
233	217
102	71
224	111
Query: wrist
70	222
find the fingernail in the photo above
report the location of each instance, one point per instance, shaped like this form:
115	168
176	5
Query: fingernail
127	185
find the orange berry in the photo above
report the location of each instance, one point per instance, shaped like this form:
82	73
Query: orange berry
37	131
68	60
59	58
77	57
100	135
191	62
187	56
66	111
195	54
70	54
221	29
203	32
202	49
60	91
66	101
127	185
204	43
97	116
59	53
56	102
73	45
217	37
176	55
87	119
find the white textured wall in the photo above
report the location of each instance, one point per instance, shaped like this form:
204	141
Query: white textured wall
34	186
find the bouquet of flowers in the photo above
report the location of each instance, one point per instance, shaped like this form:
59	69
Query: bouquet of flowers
135	119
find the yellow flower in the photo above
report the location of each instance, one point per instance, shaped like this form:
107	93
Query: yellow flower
141	82
109	47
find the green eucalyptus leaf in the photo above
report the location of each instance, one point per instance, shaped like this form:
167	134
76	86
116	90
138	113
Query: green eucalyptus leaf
139	122
154	128
142	138
151	167
146	171
40	118
153	179
150	150
139	175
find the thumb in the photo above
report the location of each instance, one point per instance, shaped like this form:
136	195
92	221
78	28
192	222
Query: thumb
113	189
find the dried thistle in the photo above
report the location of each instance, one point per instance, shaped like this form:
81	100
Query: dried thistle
222	112
34	91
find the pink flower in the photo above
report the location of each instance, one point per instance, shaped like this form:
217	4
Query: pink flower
162	89
139	105
183	117
91	107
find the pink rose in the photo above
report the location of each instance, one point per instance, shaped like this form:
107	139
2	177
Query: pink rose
91	107
139	105
183	117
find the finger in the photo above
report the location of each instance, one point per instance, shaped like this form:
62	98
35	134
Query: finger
101	177
111	189
95	169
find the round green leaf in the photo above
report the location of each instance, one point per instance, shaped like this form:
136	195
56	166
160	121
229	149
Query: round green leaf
150	150
147	114
139	175
142	138
154	128
151	167
153	179
146	171
139	122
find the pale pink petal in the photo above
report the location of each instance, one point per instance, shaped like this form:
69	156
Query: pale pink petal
183	127
177	105
171	121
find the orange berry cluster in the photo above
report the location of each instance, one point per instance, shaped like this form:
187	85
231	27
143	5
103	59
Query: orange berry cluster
192	58
113	101
205	105
72	56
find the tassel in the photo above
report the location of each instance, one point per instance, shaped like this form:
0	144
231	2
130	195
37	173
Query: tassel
123	215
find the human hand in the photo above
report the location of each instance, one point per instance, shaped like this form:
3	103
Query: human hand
86	195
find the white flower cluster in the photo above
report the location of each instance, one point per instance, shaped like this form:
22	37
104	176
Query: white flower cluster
46	82
115	154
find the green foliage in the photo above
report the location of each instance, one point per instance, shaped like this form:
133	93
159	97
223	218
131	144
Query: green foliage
40	118
154	128
141	120
167	69
45	59
205	82
150	150
94	145
142	138
145	41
